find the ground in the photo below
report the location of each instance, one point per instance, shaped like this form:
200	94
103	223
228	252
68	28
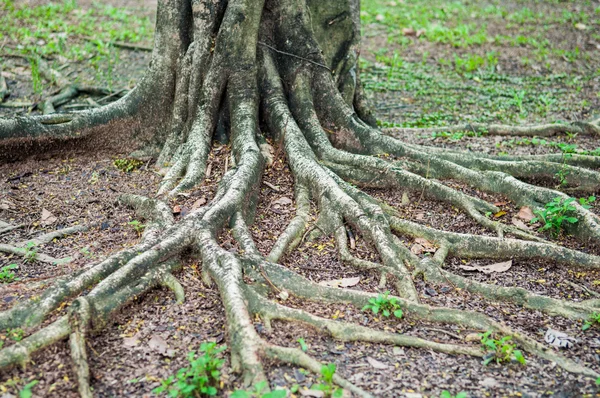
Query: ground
511	62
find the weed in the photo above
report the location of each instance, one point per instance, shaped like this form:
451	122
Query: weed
30	252
326	382
503	350
387	305
26	392
127	165
6	274
593	319
36	77
16	334
257	392
561	175
555	213
200	378
138	226
448	394
303	345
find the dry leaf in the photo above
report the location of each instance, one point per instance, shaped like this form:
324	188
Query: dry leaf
47	218
489	269
199	203
7	205
500	214
284	200
409	32
427	245
420	216
344	282
405	199
526	214
473	337
559	339
176	209
580	26
283	295
500	203
520	224
417	249
158	344
376	364
312	393
131	341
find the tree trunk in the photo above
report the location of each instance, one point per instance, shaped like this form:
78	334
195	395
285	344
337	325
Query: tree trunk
285	72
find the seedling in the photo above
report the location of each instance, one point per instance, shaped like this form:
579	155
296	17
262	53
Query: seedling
6	274
303	345
447	394
555	213
257	392
326	382
503	350
26	390
387	305
127	165
138	226
593	319
30	252
198	379
15	334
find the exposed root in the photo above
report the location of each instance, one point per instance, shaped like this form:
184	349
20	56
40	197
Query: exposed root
79	318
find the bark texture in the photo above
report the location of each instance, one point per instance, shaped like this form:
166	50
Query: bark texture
286	72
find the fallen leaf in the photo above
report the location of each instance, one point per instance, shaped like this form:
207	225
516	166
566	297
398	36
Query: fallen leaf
580	26
379	17
284	200
417	249
283	295
405	199
489	269
409	32
559	339
376	364
526	214
47	218
7	205
519	223
176	209
500	203
473	337
199	203
131	341
420	216
312	393
427	245
420	32
500	214
344	282
489	382
158	344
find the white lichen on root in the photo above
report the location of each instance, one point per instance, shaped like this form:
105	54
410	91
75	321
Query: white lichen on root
234	68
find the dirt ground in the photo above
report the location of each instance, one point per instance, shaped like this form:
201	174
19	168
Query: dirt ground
149	340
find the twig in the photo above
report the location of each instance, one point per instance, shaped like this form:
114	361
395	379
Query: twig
294	55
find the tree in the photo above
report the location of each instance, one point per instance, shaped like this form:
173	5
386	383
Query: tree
285	72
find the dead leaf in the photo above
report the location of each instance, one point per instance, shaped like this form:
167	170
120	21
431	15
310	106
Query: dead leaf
405	199
283	295
208	170
489	382
519	223
47	218
559	339
284	201
500	214
344	282
420	32
131	341
500	203
526	214
417	249
409	32
176	209
420	216
473	337
376	364
158	344
489	269
312	393
427	245
199	203
7	205
580	26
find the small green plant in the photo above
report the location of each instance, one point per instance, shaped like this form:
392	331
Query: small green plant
593	319
503	350
26	392
198	379
326	382
30	252
259	390
561	175
36	77
387	305
6	274
15	334
554	214
127	165
448	394
138	226
303	345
